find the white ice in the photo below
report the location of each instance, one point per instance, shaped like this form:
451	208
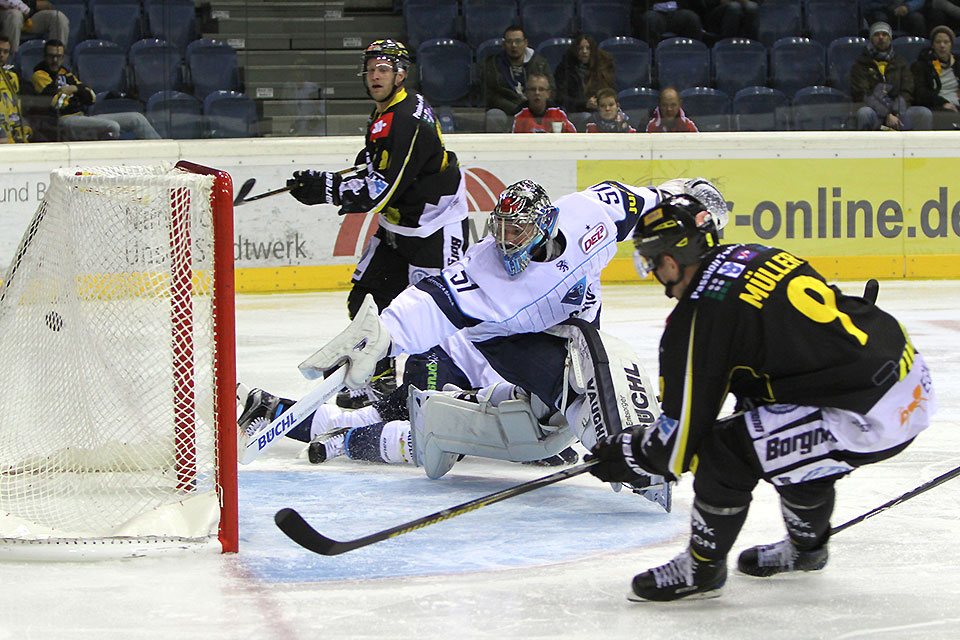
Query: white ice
555	563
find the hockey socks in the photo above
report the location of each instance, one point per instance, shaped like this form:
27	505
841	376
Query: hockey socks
383	442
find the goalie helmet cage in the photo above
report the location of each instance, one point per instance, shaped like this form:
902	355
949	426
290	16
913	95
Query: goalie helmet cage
118	412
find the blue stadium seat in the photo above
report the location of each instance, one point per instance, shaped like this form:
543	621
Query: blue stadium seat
604	20
445	71
553	50
175	115
213	66
445	118
544	19
485	19
488	48
230	114
172	20
909	47
738	63
157	66
828	20
29	54
105	104
427	19
776	20
682	63
118	21
761	109
638	103
796	63
76	12
821	109
101	65
841	54
631	59
708	108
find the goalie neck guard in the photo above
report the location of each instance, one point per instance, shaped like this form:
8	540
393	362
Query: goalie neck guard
672	228
523	220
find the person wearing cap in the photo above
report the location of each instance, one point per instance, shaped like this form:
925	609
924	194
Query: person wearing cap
882	81
936	78
905	15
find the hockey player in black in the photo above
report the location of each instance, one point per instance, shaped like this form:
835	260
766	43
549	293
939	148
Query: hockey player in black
407	177
824	383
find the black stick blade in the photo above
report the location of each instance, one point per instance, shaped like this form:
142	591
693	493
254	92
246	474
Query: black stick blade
298	530
244	189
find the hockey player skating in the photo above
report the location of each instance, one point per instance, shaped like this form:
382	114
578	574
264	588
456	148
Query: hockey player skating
409	178
528	299
829	382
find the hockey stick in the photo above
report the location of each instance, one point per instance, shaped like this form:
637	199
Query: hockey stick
264	438
247	186
300	531
949	475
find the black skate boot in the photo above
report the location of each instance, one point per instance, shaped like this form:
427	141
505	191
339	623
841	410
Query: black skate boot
565	457
327	445
259	409
683	577
768	560
381	385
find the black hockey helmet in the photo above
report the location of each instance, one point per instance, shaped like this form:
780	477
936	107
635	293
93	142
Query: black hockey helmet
386	49
671	227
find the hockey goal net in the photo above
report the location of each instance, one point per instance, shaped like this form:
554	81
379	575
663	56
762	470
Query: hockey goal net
118	409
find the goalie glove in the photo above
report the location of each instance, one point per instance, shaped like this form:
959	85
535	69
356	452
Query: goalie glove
617	460
704	191
315	187
361	345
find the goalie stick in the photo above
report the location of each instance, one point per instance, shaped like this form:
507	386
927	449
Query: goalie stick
247	187
300	531
264	438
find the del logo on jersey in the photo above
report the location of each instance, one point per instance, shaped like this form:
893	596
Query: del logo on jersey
593	237
381	127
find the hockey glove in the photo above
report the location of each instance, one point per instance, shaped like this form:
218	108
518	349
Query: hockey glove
315	187
701	189
617	462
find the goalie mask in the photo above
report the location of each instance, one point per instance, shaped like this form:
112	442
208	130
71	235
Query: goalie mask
523	220
392	52
672	228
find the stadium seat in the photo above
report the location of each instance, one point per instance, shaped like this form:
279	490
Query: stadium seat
77	14
841	54
175	115
909	47
604	20
544	19
119	21
776	20
446	119
682	63
738	63
445	71
631	60
828	20
485	19
821	109
172	20
796	63
708	108
488	48
213	66
638	103
761	109
106	104
101	65
156	67
29	54
230	114
427	19
553	50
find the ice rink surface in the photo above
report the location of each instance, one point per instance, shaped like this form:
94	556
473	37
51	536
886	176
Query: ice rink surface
554	563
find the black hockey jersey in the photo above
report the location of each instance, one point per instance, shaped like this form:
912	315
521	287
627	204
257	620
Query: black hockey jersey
762	324
410	179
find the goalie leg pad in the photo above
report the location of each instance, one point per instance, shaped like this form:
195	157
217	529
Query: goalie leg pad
445	427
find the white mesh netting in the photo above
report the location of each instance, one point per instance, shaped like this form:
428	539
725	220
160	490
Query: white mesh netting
107	348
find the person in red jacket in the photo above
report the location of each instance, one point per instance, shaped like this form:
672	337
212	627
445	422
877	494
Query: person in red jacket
536	117
669	117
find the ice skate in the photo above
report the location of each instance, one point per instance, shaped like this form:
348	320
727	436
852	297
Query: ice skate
764	561
656	490
327	445
381	385
683	577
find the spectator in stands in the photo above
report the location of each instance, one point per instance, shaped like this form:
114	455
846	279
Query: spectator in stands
668	117
652	19
69	97
584	70
936	75
505	78
731	18
945	12
537	117
12	126
883	82
609	118
905	15
32	16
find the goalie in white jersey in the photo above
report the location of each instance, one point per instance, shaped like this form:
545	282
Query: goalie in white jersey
528	299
